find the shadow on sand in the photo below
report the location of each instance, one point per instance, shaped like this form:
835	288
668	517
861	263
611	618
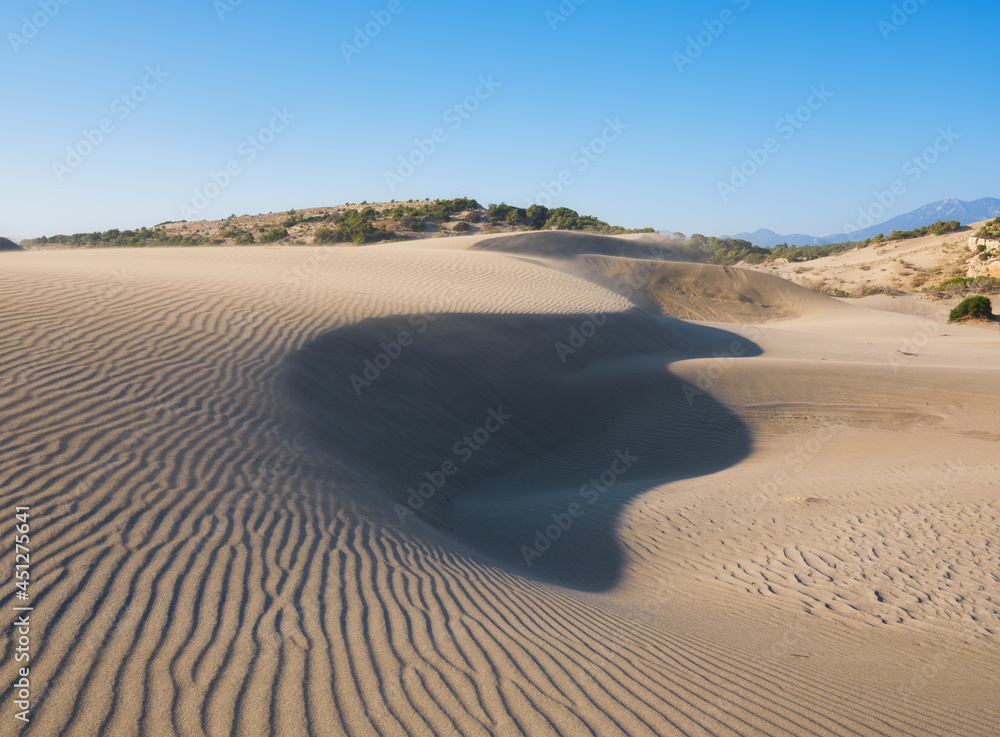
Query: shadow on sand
506	419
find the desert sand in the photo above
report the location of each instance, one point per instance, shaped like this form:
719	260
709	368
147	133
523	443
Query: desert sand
661	498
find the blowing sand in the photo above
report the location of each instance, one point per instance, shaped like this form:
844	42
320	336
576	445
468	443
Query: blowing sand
534	484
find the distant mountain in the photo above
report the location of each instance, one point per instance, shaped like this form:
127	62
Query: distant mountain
949	209
768	239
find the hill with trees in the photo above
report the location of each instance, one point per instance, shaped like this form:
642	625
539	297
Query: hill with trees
354	224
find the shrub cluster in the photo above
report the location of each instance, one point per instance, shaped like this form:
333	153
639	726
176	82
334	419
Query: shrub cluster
439	211
723	251
353	226
539	217
808	253
273	236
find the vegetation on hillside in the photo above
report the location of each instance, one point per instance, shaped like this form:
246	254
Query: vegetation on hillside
722	251
273	236
957	283
939	228
122	238
438	211
358	226
402	220
990	230
354	226
808	253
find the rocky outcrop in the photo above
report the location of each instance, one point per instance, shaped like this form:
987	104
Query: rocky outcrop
991	245
986	261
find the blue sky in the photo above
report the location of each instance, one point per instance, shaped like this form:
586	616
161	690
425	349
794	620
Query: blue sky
691	90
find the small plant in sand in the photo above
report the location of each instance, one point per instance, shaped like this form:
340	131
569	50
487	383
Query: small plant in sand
972	308
960	283
867	290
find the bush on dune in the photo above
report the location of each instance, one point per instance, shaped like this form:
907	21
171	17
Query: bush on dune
972	308
414	223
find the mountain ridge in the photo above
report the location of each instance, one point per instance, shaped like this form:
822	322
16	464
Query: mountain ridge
947	209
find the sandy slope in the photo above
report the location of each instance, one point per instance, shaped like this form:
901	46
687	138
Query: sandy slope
794	526
906	265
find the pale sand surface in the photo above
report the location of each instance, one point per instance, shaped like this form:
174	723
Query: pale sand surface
805	544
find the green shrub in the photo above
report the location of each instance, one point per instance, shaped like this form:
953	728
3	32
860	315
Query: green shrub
498	213
272	236
968	282
414	223
357	226
245	239
972	308
324	235
516	216
461	226
537	215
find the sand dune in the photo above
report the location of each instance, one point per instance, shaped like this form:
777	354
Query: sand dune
661	498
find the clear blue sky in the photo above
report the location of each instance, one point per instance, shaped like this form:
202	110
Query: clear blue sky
686	128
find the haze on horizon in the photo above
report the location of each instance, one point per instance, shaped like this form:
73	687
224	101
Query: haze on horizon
639	114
